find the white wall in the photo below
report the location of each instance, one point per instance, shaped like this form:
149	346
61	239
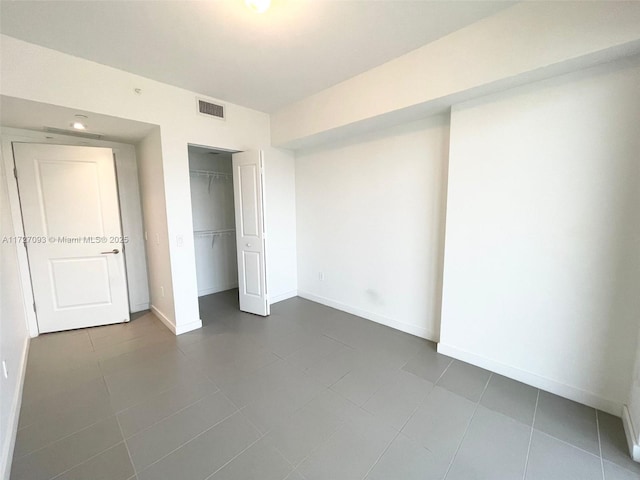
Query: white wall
14	336
370	216
132	226
280	224
212	204
77	83
542	264
150	166
526	42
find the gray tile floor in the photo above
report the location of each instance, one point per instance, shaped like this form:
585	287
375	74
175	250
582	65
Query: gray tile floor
307	393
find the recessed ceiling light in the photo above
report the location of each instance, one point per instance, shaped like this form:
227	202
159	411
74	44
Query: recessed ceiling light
258	6
79	126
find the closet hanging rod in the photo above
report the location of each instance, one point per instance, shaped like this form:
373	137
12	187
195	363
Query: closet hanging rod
208	173
206	233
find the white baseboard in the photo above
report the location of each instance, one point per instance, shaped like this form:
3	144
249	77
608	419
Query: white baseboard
163	318
172	326
374	317
631	434
189	327
14	417
535	380
140	307
283	296
209	291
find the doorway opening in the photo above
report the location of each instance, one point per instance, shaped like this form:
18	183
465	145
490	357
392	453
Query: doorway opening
214	227
227	202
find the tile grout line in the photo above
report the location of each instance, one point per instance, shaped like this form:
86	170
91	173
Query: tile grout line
156	394
168	416
151	357
381	455
376	391
533	422
443	372
410	417
567	443
259	430
600	443
246	417
64	437
320	445
126	445
336	382
86	460
93	347
234	457
327	440
275	447
466	430
189	441
264	434
114	414
400	430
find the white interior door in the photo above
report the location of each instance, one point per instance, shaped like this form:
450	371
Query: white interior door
249	207
71	218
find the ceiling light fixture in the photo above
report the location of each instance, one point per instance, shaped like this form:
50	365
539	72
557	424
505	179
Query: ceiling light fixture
258	6
78	122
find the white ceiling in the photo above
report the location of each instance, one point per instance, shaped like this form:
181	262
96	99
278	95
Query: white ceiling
222	49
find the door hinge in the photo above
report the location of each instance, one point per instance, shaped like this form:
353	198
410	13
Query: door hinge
34	308
15	172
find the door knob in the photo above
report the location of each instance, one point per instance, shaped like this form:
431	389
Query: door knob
115	251
249	245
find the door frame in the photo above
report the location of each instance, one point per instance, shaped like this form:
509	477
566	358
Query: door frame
7	137
264	213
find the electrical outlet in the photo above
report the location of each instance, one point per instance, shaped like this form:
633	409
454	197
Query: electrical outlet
4	369
321	276
179	240
145	236
162	292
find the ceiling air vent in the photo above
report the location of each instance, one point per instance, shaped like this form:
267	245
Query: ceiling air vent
210	109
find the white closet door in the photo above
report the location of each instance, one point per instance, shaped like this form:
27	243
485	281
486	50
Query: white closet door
70	211
249	211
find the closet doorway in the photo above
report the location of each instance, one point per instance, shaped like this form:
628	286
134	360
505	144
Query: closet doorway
214	228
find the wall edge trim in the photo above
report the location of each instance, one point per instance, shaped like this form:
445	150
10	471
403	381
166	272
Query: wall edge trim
374	317
283	296
163	318
209	291
630	434
544	383
14	416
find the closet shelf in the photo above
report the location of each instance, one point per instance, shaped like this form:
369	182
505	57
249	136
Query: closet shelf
210	233
210	174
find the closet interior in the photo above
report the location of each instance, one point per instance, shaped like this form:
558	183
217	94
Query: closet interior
213	220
